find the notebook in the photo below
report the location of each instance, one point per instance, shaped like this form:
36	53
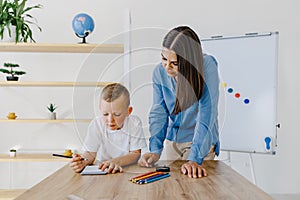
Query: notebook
93	170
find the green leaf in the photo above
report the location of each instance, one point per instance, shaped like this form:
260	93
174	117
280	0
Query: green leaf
11	71
19	72
15	13
51	107
11	65
5	71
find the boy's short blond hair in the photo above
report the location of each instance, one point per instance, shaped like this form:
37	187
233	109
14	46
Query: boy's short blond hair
113	91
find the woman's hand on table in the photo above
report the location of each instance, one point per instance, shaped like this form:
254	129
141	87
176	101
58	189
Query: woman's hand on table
193	170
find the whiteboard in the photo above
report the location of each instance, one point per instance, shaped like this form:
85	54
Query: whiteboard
248	81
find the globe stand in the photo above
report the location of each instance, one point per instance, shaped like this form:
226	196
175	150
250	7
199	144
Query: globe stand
83	38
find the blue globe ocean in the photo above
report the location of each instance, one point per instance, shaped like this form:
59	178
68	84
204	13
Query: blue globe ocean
83	25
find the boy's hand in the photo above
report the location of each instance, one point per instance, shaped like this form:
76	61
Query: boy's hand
112	167
148	159
77	164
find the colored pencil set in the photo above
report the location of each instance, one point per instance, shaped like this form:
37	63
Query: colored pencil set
149	177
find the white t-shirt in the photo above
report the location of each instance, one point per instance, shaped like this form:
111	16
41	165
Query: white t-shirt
114	143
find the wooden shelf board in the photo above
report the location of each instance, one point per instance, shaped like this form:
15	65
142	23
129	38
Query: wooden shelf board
10	194
45	120
53	84
32	158
61	48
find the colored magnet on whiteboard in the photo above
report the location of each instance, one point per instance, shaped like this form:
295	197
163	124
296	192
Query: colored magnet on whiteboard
237	95
230	90
268	142
246	101
224	84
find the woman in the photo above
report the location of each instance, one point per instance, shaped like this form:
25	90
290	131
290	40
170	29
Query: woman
185	103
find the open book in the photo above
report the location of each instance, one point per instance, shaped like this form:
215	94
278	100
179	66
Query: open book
93	170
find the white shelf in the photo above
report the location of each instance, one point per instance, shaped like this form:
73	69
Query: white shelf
45	120
53	84
32	158
61	48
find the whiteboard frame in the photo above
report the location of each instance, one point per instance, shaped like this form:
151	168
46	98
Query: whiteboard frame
276	125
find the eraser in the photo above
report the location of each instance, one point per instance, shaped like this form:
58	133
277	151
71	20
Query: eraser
162	169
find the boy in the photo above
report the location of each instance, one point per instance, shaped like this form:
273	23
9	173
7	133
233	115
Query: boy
115	138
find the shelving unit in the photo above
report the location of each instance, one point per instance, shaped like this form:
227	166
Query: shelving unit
48	48
56	48
34	155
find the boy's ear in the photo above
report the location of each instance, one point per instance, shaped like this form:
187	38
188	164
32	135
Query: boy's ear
130	110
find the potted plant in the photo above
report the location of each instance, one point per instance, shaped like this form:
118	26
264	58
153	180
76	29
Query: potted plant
11	71
12	153
52	108
14	16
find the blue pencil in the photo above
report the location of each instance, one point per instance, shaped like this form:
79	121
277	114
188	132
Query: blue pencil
149	178
156	179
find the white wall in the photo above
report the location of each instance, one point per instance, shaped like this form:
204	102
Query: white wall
151	20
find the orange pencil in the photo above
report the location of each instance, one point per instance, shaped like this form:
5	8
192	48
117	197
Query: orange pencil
141	175
147	176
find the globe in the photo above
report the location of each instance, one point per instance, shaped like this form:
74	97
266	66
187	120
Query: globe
83	25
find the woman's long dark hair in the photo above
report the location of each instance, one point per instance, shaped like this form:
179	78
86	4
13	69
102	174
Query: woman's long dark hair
190	83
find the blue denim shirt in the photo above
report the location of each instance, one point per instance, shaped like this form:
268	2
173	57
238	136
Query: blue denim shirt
198	123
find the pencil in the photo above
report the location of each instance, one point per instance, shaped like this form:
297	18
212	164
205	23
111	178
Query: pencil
147	176
152	177
59	155
156	179
141	175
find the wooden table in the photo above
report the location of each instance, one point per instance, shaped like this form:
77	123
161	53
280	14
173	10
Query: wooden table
222	183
